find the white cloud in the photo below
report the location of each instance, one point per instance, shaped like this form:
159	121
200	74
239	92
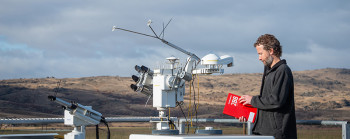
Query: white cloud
54	32
319	56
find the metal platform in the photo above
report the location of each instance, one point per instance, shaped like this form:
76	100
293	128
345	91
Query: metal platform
144	136
29	136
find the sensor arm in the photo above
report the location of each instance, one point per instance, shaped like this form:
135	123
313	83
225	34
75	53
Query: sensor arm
181	50
164	41
83	112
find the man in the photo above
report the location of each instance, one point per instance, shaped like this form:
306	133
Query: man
276	112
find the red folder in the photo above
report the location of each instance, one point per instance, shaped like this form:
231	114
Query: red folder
236	109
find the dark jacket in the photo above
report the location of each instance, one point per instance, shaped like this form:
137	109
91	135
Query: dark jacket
276	110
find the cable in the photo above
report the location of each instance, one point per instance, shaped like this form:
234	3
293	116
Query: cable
169	119
171	123
184	116
194	102
197	91
197	98
103	120
190	111
97	134
189	105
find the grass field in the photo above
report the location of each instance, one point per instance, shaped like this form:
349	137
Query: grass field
304	132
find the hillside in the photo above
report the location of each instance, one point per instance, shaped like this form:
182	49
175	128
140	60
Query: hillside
320	95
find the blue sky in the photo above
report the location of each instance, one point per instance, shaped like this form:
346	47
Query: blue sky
64	39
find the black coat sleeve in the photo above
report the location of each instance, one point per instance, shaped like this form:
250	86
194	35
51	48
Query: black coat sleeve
275	97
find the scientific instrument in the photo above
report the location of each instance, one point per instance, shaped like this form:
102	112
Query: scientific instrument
79	116
167	85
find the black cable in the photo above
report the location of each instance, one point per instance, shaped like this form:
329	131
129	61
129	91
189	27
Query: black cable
109	133
97	134
103	120
195	106
194	103
188	125
171	122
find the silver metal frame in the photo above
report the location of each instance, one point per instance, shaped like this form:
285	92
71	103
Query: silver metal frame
180	122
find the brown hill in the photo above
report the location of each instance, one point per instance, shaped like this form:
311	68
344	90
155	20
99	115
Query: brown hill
320	95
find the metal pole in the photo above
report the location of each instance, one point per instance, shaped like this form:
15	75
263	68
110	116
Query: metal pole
345	131
244	130
181	128
249	128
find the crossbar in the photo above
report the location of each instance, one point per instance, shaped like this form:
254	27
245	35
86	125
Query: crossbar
180	122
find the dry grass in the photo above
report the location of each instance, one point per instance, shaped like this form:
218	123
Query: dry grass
318	94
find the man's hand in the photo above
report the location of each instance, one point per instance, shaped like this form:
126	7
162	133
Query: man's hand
242	119
245	99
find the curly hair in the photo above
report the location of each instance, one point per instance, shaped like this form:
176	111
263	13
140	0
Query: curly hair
269	41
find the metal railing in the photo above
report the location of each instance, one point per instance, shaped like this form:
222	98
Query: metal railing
31	120
344	124
180	122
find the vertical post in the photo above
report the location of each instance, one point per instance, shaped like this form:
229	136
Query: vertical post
82	129
249	128
244	129
181	127
345	131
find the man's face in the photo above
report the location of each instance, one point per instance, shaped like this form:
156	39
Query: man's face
264	55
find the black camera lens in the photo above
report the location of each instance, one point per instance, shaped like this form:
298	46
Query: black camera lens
144	69
138	68
135	78
133	87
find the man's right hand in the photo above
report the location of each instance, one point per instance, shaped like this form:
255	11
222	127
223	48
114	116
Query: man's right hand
245	99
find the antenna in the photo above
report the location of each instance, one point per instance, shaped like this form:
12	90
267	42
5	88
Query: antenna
115	27
165	28
163	40
149	25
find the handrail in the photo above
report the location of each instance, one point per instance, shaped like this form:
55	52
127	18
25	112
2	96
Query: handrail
345	124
